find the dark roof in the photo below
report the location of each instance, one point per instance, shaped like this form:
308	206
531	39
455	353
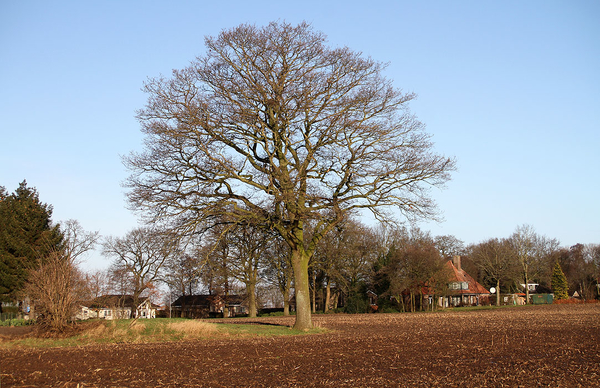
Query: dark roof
207	300
115	301
195	300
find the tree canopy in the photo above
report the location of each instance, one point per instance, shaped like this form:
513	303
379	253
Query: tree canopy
272	126
26	235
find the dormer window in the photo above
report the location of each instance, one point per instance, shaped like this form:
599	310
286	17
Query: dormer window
459	286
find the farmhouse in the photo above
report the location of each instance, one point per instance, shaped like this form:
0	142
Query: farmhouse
203	306
84	313
122	307
463	290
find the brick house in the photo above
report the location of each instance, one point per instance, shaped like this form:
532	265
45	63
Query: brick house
204	306
463	290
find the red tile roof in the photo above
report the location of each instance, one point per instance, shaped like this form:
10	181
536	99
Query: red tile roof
459	275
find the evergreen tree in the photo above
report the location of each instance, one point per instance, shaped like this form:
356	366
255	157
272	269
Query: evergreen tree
26	234
560	286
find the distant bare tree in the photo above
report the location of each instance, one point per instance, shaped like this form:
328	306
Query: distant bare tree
249	257
592	256
278	270
273	127
216	252
449	246
524	245
98	283
77	240
183	272
139	257
548	251
414	268
580	269
495	259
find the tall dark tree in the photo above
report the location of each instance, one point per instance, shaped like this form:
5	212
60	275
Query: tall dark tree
274	127
26	235
560	286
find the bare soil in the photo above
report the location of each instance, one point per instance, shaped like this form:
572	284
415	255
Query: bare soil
530	346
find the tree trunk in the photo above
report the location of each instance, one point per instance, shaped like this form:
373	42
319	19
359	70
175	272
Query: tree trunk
526	286
498	292
251	287
314	293
225	311
286	302
327	296
301	282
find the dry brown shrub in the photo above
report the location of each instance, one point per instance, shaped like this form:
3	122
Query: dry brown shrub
137	327
96	331
118	333
193	328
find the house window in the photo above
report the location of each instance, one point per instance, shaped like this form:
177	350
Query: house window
459	286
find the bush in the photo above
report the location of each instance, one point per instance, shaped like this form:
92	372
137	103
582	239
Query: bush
388	310
17	322
356	304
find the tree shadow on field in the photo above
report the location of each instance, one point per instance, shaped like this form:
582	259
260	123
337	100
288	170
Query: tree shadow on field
255	323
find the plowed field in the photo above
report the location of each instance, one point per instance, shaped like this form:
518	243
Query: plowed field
531	346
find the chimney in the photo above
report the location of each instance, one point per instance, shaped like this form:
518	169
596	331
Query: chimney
456	262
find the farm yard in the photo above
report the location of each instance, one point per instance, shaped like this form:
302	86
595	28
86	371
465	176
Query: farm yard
556	345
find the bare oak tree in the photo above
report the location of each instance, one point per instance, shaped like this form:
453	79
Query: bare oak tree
77	240
524	245
274	127
495	258
139	258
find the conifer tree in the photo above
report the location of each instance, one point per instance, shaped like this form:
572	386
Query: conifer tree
560	286
26	234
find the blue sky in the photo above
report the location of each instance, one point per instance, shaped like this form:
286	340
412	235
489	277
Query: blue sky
510	88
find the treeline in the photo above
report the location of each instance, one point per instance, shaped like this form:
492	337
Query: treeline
351	264
39	260
394	264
